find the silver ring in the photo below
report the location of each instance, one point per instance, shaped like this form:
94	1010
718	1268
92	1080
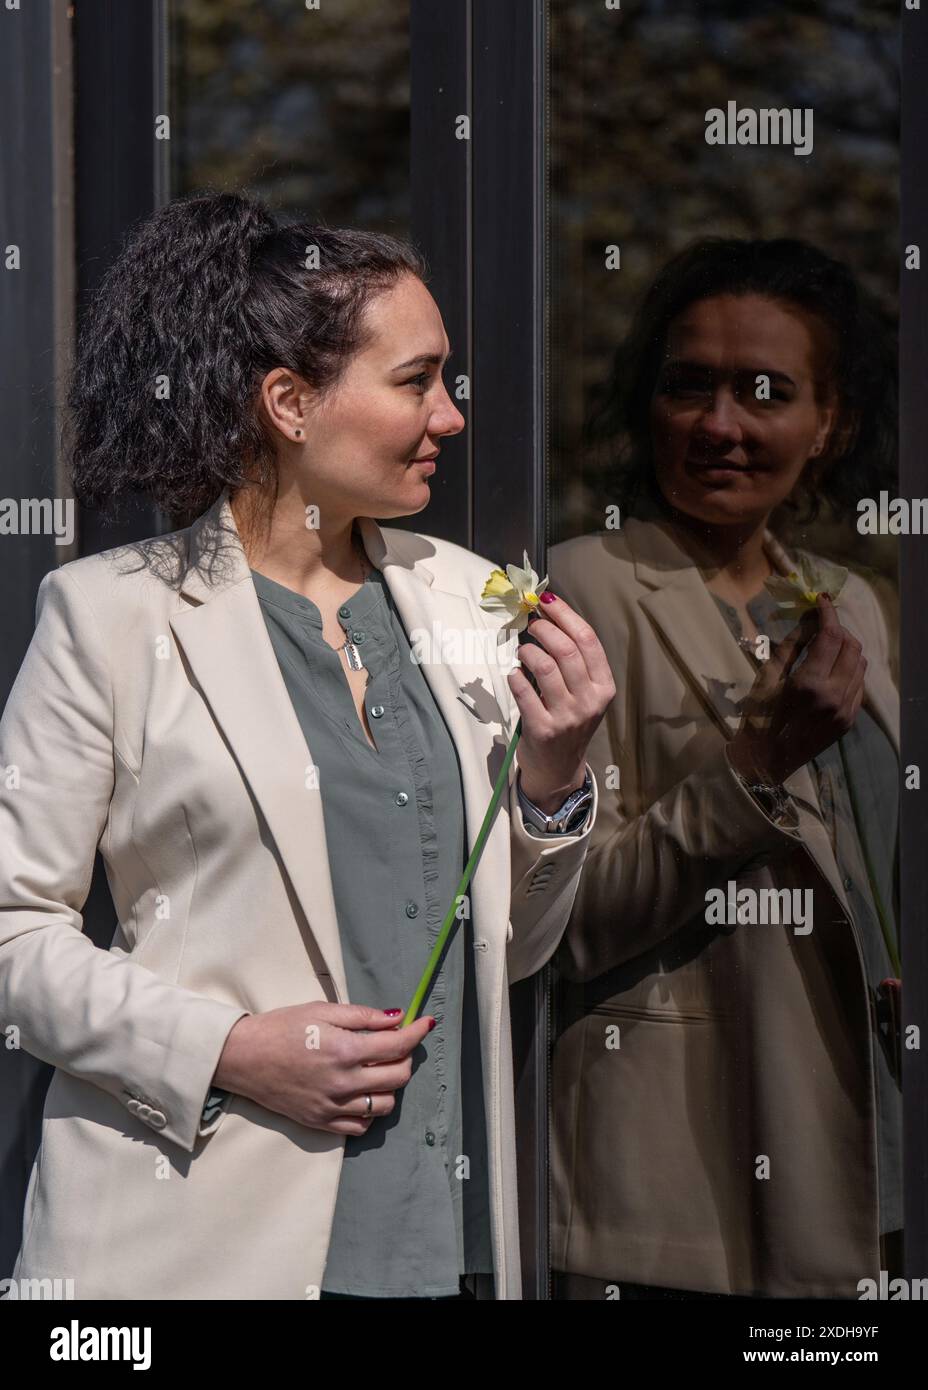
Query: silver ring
370	1107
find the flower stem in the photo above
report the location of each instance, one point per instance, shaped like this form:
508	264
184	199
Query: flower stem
426	981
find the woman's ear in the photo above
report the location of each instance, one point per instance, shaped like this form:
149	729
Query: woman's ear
840	438
827	419
837	431
283	404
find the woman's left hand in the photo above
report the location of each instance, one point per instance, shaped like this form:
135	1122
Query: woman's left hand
575	685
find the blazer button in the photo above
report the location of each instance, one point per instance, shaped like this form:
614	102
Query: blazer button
157	1119
144	1112
133	1105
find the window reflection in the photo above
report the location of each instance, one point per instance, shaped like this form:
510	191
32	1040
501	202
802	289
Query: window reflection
308	109
726	1093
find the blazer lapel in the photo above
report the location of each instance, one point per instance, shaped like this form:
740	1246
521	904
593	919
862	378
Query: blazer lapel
682	609
224	640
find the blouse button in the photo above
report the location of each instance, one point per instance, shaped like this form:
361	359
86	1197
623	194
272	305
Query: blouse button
358	636
344	612
377	711
429	1138
412	909
401	798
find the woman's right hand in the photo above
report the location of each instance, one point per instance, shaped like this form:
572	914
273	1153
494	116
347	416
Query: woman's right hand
316	1062
792	714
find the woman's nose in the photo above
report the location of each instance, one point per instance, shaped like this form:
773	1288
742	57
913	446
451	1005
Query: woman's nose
722	418
447	419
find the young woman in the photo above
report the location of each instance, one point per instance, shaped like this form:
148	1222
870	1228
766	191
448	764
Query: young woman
726	1087
284	792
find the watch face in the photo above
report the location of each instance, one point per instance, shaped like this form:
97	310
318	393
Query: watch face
579	815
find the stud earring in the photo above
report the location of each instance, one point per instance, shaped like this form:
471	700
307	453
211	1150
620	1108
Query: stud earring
298	433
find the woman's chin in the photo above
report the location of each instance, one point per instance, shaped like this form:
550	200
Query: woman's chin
725	509
413	498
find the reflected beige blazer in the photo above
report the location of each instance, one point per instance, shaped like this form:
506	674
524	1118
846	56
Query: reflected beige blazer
725	1045
152	721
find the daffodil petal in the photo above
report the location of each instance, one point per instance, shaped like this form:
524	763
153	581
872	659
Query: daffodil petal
800	589
779	586
498	583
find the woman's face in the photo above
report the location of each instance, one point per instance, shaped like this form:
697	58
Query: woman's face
721	455
389	409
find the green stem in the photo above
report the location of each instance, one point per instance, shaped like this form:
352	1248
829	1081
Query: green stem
501	781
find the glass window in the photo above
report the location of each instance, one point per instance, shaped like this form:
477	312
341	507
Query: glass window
308	109
724	231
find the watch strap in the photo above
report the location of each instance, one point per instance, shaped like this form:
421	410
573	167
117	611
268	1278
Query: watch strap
773	799
569	816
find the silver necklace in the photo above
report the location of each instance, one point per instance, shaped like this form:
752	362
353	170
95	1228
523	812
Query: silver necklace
352	655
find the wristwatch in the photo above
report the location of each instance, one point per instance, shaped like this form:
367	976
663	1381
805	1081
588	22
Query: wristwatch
566	818
773	799
213	1104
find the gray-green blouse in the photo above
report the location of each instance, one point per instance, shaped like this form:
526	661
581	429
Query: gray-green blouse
858	786
412	1212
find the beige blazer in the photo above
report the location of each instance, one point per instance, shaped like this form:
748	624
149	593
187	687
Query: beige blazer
152	722
689	1052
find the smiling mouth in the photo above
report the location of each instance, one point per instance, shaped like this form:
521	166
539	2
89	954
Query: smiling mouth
720	466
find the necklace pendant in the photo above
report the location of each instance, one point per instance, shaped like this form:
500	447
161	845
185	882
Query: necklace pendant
353	656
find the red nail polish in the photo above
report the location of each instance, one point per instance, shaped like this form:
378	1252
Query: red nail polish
548	597
432	1022
391	1013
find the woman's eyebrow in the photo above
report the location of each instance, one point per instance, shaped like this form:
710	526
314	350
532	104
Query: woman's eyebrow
779	378
432	358
683	364
686	364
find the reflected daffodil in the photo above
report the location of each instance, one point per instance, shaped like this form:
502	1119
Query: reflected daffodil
799	591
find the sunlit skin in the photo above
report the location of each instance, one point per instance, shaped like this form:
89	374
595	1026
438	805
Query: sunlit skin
351	454
354	450
724	460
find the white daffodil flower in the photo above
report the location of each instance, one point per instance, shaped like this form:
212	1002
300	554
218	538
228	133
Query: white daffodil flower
798	591
517	592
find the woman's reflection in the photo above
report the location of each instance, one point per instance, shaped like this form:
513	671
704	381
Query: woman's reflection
726	1104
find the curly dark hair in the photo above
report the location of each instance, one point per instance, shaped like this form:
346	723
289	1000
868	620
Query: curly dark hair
860	367
208	295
